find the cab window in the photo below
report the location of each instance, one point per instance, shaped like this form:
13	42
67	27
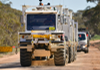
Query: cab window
81	37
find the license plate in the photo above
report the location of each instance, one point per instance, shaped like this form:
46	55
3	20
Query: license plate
51	28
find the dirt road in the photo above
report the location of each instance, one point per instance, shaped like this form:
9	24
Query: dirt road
90	61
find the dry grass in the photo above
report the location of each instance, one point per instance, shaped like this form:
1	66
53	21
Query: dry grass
96	37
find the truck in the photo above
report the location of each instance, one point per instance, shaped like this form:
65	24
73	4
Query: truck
83	42
49	32
87	34
84	38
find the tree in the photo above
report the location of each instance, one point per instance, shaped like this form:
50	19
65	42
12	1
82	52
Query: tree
94	1
91	17
78	17
9	24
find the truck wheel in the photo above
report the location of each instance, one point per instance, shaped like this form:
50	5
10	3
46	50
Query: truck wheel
60	57
73	54
25	57
69	55
87	50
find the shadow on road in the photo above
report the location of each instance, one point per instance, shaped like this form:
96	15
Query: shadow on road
11	65
79	51
16	65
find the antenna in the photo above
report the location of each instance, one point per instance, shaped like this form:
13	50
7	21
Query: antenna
48	4
40	2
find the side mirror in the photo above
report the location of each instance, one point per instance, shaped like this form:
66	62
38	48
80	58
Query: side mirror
21	20
66	38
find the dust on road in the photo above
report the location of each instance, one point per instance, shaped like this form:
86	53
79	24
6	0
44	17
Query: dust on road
89	61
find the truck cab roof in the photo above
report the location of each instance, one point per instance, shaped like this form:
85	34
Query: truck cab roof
41	12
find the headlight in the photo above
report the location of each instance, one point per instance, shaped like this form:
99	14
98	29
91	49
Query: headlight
22	38
84	46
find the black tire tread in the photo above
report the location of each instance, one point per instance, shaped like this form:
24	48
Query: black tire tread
25	57
69	55
59	57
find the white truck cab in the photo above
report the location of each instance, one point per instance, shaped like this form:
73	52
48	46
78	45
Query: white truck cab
45	28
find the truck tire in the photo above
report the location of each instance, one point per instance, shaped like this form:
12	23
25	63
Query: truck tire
60	57
25	57
69	55
73	54
87	50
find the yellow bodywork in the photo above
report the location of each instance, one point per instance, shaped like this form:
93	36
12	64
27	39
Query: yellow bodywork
41	36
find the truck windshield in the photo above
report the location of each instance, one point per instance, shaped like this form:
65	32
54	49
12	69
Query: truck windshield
81	37
41	21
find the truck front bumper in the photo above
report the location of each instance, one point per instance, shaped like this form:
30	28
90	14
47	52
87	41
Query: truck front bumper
81	48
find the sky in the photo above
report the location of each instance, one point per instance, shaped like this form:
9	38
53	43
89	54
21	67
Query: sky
74	5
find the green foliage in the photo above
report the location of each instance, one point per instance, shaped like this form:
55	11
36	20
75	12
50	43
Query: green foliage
9	25
94	1
78	17
91	0
91	19
96	37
